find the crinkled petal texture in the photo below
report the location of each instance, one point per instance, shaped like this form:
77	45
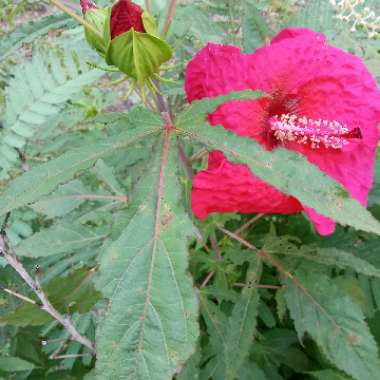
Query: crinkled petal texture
212	191
303	75
126	15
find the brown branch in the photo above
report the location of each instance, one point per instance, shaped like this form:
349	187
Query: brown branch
250	222
272	261
68	356
20	296
218	254
37	289
215	246
259	286
207	279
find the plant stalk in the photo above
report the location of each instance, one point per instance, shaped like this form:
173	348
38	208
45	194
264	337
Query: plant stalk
35	285
72	14
169	17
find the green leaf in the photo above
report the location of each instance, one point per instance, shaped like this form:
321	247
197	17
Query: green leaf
38	91
107	175
337	324
328	374
289	172
327	256
231	338
139	55
277	347
191	369
60	238
242	325
196	113
13	364
65	199
70	294
43	179
29	32
318	16
150	327
251	371
255	30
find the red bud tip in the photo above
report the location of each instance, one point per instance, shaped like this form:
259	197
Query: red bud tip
86	5
126	15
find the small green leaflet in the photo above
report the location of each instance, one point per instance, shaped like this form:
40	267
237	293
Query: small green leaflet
65	199
60	238
231	338
43	179
13	364
336	323
242	324
338	258
150	327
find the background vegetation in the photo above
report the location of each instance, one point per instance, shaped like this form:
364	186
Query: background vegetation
79	168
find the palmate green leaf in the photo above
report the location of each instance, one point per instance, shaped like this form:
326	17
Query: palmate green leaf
43	179
60	238
337	324
289	172
150	327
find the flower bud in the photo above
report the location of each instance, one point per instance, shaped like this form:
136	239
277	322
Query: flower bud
96	17
128	38
135	46
126	15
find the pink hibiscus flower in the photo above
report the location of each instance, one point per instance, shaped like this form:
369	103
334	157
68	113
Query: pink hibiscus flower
322	102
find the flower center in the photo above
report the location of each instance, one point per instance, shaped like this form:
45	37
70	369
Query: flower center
315	132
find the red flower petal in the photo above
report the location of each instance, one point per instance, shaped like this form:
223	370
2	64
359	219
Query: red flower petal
227	187
126	15
305	77
217	70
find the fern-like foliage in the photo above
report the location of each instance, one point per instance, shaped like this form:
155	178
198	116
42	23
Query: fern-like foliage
38	91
